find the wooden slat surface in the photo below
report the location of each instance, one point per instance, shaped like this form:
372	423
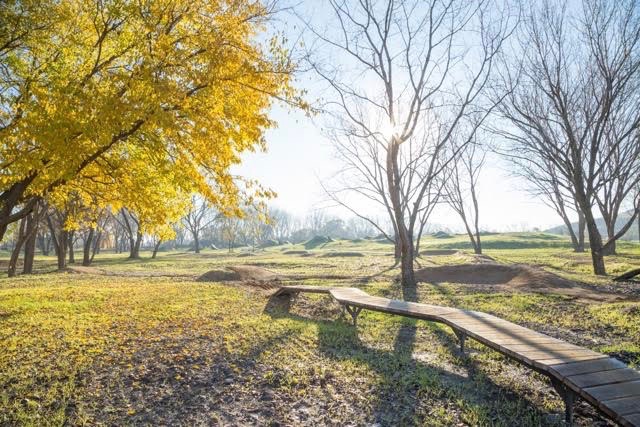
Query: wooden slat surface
614	391
624	405
566	370
631	419
593	379
605	382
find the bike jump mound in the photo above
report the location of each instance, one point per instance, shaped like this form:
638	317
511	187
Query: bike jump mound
517	277
246	274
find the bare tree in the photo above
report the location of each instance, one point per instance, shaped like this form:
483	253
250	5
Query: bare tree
229	228
409	77
619	164
315	220
199	217
461	187
56	220
573	95
281	223
358	228
131	226
92	236
550	186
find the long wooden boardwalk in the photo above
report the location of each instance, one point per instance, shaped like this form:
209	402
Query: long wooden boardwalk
604	382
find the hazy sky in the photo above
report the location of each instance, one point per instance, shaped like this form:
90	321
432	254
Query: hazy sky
299	156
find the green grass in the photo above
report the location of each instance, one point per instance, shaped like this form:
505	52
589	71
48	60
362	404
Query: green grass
85	349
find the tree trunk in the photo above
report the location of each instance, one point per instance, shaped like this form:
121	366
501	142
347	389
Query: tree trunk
423	223
96	245
59	243
12	197
595	244
62	250
33	220
155	249
404	235
196	242
478	246
15	254
581	227
44	242
72	255
134	252
86	249
610	248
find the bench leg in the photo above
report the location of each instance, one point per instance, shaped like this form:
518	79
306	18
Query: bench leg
569	398
462	337
353	311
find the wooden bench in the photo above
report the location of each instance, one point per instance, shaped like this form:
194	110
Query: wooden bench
604	382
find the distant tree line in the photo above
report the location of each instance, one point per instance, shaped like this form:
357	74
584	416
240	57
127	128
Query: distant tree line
46	231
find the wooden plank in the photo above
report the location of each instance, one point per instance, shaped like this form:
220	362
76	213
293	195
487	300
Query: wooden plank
540	346
545	363
469	314
604	377
630	419
531	336
614	391
549	354
531	339
509	329
568	369
623	406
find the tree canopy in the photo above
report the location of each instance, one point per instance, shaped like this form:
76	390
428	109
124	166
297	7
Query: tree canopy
133	102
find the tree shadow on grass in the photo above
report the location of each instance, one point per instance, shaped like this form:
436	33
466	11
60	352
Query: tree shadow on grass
369	278
409	389
191	379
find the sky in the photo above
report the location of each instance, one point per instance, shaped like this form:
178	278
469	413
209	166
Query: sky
299	157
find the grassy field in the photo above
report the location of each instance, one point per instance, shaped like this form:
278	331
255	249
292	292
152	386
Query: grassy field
144	342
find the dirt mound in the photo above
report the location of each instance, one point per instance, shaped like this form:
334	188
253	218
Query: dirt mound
342	254
297	252
245	254
317	241
239	273
80	269
520	277
269	243
441	235
437	252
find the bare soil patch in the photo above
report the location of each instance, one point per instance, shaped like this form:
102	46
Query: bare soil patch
515	277
247	275
79	269
297	252
84	270
342	254
438	252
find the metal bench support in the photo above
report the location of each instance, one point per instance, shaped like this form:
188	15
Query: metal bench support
569	398
353	311
462	337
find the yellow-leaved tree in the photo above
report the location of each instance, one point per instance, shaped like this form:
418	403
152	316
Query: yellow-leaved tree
134	103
